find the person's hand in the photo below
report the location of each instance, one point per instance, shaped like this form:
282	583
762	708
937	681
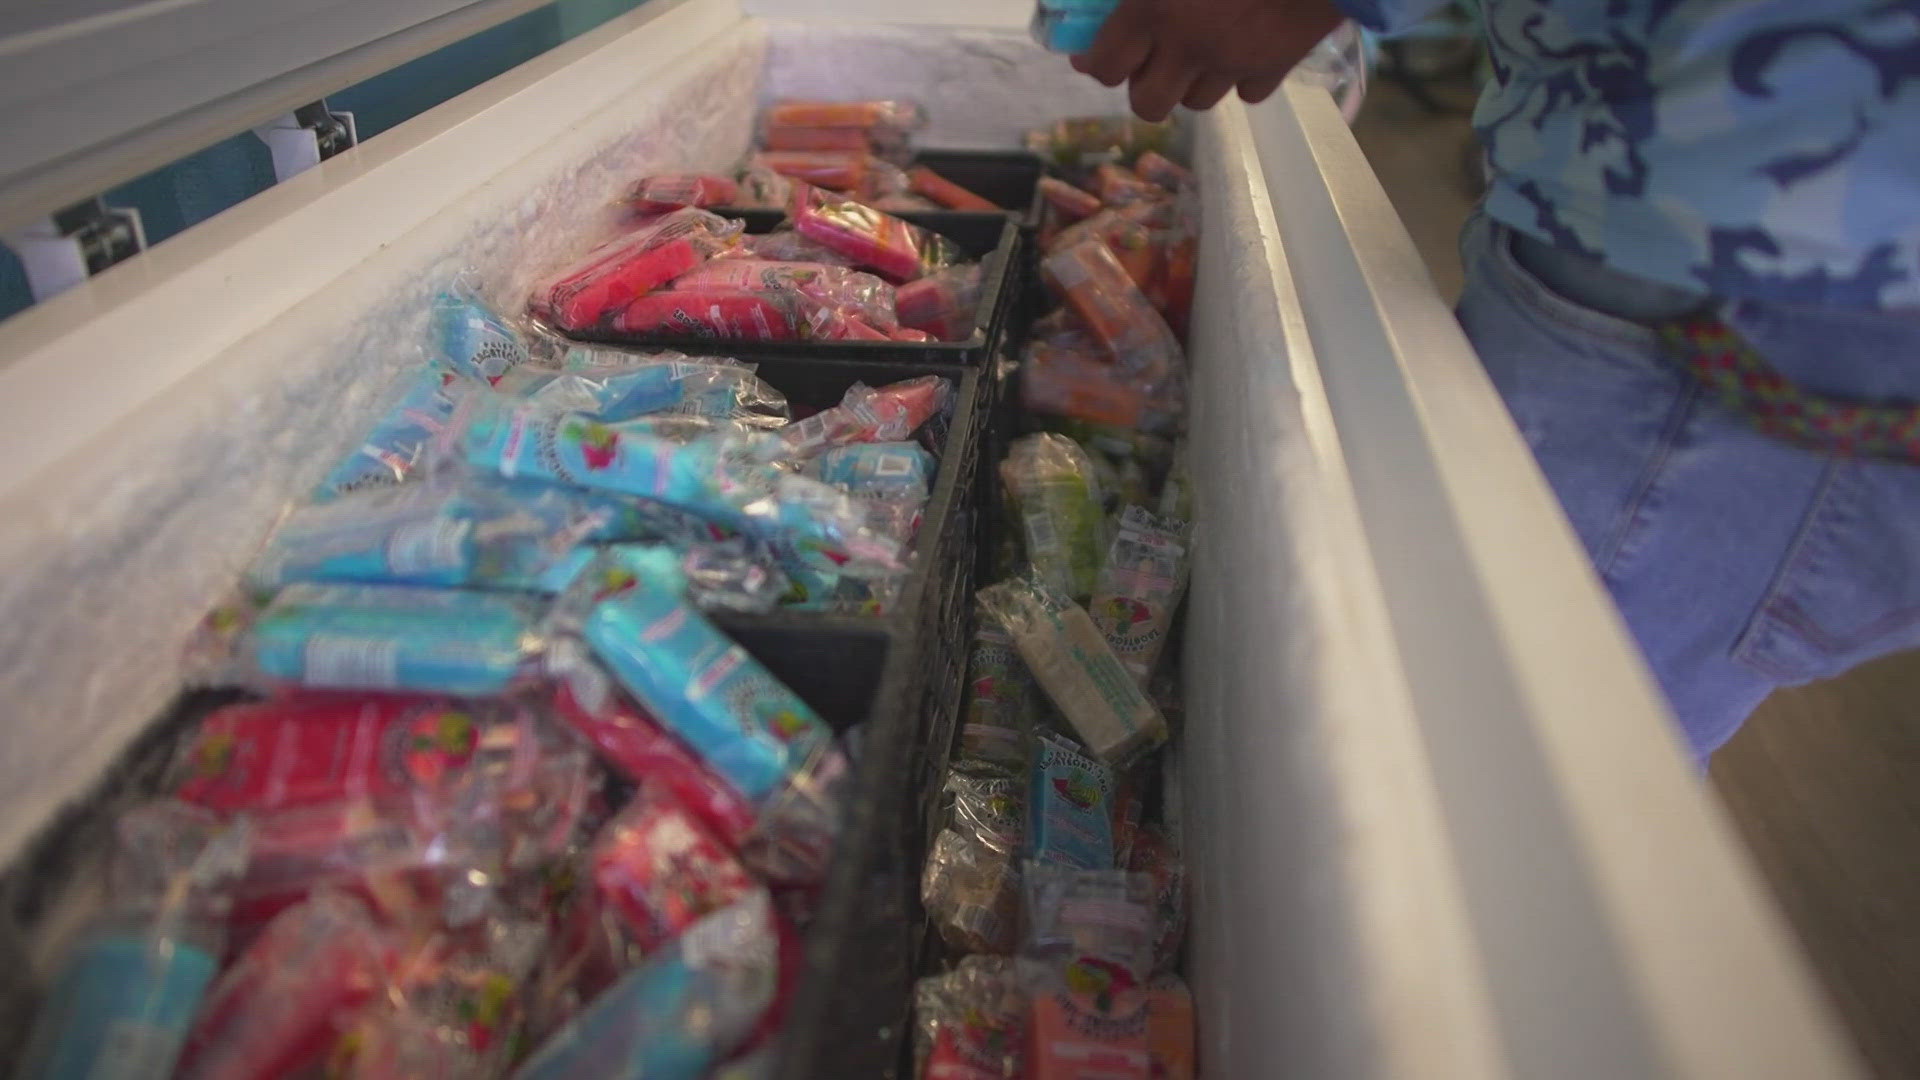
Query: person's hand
1195	52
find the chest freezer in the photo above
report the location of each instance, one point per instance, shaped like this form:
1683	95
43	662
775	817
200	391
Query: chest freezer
1437	821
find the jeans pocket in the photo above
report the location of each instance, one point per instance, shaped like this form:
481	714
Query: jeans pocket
1542	301
1849	587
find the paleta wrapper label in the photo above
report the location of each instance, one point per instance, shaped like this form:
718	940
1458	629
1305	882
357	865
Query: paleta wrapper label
1141	586
1072	662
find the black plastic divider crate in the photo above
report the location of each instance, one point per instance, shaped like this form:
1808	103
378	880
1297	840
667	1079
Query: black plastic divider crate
1009	178
885	675
991	238
849	1017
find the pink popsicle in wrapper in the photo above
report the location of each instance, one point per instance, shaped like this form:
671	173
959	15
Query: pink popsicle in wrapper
712	313
613	275
889	414
280	1007
944	305
674	191
893	248
859	295
662	870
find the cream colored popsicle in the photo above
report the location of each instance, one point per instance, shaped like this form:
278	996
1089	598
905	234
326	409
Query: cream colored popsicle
1074	665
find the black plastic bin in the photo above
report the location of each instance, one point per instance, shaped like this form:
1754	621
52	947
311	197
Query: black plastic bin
1010	178
993	239
893	677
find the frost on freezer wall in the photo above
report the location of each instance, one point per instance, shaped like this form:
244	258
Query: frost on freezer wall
983	89
127	545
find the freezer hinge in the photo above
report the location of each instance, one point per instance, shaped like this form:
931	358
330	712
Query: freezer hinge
76	243
306	137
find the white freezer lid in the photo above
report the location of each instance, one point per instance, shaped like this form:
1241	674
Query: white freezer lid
1440	825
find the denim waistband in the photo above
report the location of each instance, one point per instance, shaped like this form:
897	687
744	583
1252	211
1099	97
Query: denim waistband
1591	283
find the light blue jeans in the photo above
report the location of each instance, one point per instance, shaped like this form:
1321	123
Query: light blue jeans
1741	563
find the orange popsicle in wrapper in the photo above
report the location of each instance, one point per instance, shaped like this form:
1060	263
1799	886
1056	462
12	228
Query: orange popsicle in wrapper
1131	242
886	116
1093	283
924	181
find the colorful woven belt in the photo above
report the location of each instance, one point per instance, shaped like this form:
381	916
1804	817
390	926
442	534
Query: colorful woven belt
1724	363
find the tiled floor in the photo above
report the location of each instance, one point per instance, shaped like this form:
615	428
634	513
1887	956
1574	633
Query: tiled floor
1824	781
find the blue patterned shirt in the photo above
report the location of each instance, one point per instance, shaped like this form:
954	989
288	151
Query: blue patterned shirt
1753	149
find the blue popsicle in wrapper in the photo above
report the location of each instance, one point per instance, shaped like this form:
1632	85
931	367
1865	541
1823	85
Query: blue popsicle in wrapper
390	637
1070	26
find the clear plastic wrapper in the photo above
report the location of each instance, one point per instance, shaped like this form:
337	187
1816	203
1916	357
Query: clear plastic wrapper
363	791
1069	808
1176	495
843	595
887	245
607	280
678	191
785	245
1131	242
763	189
1156	168
129	985
1128	806
663	870
970	886
1117	185
1114	310
444	532
797	137
392	637
898	469
1172	1034
723	478
1085	964
452	1008
1140	588
741	721
905	202
679	1014
862	296
971	1023
1068	202
845	172
287	999
867	415
945	305
744	725
1072	663
1078	144
1061	329
396	448
310	748
1001	702
1157	856
471	339
1071	383
613	387
1054	486
722	575
875	117
924	181
640	751
714	314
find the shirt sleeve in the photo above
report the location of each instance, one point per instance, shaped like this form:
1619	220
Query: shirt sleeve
1389	16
